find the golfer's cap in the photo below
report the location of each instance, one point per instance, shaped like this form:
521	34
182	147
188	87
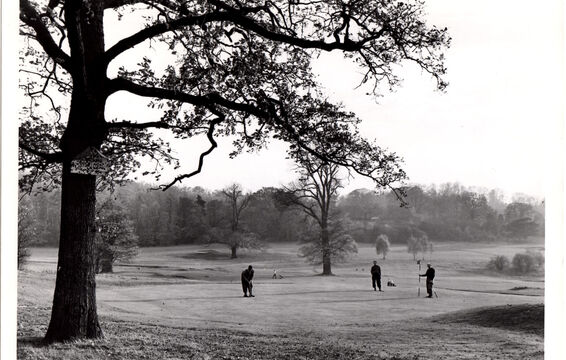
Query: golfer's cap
428	264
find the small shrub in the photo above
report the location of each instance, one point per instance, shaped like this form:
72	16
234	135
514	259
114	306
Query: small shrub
27	231
23	254
523	263
418	244
382	245
115	239
499	263
538	257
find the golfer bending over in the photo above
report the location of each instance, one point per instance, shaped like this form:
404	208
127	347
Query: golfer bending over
375	276
247	276
429	277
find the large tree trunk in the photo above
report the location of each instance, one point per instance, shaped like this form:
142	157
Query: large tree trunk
326	267
74	303
234	255
74	314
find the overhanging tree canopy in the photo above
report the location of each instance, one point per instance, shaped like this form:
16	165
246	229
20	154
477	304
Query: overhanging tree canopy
241	68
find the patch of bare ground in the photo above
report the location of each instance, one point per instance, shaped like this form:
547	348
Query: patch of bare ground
527	318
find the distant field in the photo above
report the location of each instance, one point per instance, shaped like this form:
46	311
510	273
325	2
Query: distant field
194	292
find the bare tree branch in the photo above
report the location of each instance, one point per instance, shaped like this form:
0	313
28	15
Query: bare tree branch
266	113
238	17
113	4
211	99
48	157
213	145
159	29
141	126
30	17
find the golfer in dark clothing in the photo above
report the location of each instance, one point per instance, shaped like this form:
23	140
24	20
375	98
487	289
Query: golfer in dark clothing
247	276
429	278
375	276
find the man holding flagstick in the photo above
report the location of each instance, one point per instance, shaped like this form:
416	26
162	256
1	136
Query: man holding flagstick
429	278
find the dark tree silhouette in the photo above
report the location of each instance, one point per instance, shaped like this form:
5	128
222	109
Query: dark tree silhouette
338	248
315	193
237	237
115	238
237	67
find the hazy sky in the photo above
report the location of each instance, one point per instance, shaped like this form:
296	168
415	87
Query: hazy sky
489	129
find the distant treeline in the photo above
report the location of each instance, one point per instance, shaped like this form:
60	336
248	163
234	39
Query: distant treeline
189	215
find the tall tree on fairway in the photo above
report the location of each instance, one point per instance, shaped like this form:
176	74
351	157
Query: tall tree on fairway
236	67
315	192
338	248
237	237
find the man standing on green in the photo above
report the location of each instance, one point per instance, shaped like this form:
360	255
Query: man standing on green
429	278
375	276
247	276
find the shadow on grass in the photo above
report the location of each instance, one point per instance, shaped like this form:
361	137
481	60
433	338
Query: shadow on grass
537	292
523	317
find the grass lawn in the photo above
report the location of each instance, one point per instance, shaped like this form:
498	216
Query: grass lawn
186	302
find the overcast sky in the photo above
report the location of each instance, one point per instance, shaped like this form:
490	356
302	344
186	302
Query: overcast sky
488	130
492	127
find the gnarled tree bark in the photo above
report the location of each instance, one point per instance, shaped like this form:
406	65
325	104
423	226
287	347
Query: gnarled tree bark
74	313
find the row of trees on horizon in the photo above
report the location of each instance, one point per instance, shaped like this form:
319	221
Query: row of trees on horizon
197	215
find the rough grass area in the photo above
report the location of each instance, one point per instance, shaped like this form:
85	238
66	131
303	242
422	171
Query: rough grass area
186	303
461	335
525	317
131	341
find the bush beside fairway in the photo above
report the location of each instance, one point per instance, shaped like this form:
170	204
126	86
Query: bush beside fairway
185	303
